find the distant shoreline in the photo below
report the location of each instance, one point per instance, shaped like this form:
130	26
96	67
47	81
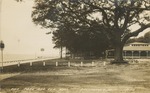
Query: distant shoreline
17	57
15	62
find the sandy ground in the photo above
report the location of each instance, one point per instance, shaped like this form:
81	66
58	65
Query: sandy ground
101	78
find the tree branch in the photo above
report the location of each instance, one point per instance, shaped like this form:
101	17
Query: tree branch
135	33
105	17
127	16
77	16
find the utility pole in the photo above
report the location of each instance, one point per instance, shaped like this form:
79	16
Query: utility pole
2	48
1	42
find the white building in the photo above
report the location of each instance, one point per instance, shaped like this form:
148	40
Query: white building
134	50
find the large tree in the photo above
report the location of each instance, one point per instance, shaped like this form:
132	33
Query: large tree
116	16
85	40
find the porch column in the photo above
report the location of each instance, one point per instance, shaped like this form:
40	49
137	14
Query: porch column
125	54
147	54
132	54
106	54
139	54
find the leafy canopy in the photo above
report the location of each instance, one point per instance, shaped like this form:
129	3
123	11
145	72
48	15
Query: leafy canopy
116	16
113	19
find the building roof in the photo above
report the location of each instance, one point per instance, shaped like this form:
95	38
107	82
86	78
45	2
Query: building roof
137	48
131	47
138	43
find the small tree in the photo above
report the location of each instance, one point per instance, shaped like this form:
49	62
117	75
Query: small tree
116	16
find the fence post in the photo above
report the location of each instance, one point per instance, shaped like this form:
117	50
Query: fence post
56	64
104	63
18	64
43	63
81	63
68	64
92	63
30	63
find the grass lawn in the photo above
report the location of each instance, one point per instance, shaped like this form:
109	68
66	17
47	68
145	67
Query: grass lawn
127	78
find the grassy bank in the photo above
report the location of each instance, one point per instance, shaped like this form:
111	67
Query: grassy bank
129	78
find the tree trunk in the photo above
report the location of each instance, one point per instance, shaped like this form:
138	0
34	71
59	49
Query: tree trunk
118	57
118	52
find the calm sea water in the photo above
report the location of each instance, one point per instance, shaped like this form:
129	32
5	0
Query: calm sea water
13	57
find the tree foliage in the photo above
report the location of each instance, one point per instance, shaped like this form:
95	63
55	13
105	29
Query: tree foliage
84	40
144	39
114	18
147	37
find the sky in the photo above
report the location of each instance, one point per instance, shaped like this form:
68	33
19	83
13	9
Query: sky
19	34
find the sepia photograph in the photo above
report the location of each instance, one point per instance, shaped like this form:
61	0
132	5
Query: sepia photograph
74	46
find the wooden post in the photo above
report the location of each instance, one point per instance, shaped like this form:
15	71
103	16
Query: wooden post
43	63
68	64
104	63
56	64
30	63
18	64
81	64
92	63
